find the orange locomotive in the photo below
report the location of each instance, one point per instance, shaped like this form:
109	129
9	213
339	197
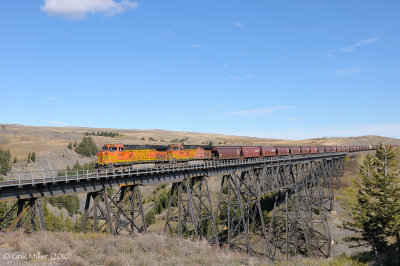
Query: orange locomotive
117	154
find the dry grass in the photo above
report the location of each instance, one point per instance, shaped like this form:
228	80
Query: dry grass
149	249
100	249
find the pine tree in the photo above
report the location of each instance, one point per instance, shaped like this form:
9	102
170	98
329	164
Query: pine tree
5	161
70	146
87	147
29	158
376	215
33	157
15	159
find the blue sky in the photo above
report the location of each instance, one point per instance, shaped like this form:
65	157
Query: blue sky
279	69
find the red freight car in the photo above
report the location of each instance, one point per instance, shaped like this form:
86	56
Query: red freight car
226	152
333	148
250	151
282	150
321	149
294	150
268	151
313	149
305	149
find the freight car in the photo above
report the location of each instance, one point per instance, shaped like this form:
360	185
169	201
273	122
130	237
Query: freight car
119	155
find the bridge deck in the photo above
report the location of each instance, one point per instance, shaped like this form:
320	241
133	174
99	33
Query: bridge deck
52	183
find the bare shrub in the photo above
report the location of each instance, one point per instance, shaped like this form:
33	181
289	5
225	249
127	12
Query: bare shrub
113	261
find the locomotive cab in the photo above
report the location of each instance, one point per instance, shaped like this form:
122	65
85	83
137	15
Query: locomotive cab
109	153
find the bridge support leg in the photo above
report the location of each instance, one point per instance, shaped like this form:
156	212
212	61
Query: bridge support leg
239	211
97	212
128	210
298	223
122	212
23	212
190	211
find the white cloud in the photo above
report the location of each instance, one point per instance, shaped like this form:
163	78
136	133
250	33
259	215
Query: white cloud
293	119
195	45
52	98
238	24
348	71
78	9
235	77
249	76
262	111
360	43
58	123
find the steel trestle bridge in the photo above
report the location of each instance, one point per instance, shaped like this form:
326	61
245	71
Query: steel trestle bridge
271	206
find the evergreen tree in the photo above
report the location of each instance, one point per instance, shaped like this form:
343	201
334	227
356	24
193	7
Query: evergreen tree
69	202
29	158
87	147
5	161
70	146
33	157
15	159
150	218
376	215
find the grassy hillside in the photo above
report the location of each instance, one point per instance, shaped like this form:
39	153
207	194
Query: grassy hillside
148	249
50	143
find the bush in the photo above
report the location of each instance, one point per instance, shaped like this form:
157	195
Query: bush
70	202
150	218
87	147
57	223
4	161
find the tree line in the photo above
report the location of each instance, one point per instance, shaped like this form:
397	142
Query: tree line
103	133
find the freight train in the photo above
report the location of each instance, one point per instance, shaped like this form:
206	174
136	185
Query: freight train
119	155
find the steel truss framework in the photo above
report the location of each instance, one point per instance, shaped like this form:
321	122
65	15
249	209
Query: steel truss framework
295	222
275	210
190	212
121	213
21	213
